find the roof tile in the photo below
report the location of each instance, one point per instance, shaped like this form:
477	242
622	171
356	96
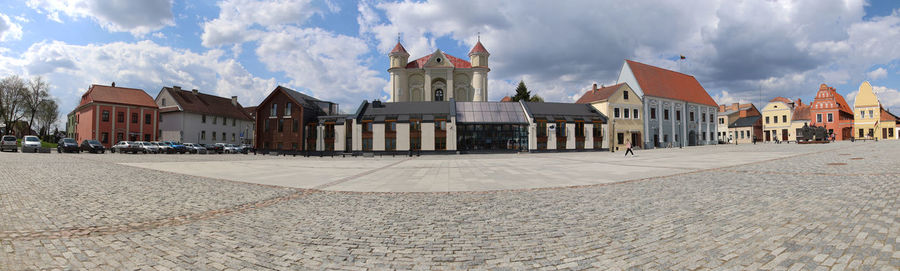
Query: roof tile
659	82
117	95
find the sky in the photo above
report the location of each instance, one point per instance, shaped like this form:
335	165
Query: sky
740	51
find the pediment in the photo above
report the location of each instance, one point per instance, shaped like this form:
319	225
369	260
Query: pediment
438	60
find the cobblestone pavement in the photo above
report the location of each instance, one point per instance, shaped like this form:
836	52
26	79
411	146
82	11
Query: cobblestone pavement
835	208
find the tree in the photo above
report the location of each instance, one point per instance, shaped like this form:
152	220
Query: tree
522	93
48	114
12	92
37	93
536	99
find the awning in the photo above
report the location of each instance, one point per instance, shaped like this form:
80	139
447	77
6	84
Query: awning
379	119
427	118
403	118
569	118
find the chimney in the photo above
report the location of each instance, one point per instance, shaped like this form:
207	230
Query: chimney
176	87
195	91
113	84
736	106
594	88
234	100
799	102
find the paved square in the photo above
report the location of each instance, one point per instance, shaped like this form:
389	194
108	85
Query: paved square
729	207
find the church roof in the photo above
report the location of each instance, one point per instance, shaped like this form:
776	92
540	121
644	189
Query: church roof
399	49
663	83
478	49
457	63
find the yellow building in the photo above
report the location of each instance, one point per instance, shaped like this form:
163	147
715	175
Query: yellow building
623	108
777	118
870	120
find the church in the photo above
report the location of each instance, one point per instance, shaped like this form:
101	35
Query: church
439	76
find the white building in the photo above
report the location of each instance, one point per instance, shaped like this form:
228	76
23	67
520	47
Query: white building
191	116
677	109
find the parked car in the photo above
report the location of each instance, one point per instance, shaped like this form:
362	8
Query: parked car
215	148
147	147
176	146
66	145
9	142
31	144
92	146
163	147
195	148
126	147
246	148
226	148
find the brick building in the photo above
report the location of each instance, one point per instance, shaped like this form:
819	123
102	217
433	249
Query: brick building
829	109
286	120
110	114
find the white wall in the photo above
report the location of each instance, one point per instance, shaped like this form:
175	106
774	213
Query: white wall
428	136
402	136
378	137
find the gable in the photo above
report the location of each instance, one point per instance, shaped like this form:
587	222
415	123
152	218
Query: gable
866	96
438	60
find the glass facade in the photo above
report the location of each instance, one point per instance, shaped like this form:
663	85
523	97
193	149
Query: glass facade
492	137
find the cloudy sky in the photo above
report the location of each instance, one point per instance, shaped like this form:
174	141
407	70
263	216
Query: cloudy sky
337	50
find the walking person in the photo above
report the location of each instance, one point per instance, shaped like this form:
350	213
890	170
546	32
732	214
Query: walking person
628	148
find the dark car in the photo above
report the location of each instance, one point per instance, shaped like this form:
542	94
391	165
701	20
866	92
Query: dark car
214	148
66	145
178	147
92	146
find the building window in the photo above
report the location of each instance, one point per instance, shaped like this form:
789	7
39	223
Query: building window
159	118
120	117
710	117
134	117
296	126
775	119
287	109
542	128
214	135
390	144
164	101
830	117
232	122
223	136
635	115
274	110
224	121
367	144
818	117
105	116
392	126
147	118
626	94
626	112
692	116
440	125
439	95
871	115
784	118
652	113
280	125
861	133
146	137
678	115
561	129
721	120
440	143
616	112
104	138
666	114
215	119
703	117
767	120
620	138
266	123
233	137
120	137
579	129
202	135
203	119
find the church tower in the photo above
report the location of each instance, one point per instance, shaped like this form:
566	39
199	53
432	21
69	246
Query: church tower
478	56
399	58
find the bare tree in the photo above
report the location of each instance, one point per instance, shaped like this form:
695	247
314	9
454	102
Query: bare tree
48	114
12	92
36	94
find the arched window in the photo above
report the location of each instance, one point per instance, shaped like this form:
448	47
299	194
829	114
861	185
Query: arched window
439	95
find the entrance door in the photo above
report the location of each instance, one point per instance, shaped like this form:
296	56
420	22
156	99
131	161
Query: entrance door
768	137
692	139
656	140
784	135
636	139
883	133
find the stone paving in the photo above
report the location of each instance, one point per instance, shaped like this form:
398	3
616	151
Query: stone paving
831	207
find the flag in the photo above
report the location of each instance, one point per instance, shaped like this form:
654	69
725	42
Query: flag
682	57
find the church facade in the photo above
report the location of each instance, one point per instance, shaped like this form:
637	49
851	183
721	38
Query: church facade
439	76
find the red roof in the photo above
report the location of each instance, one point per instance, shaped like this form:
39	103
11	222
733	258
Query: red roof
457	63
506	99
599	94
399	49
781	99
659	82
886	115
478	49
117	95
207	104
801	112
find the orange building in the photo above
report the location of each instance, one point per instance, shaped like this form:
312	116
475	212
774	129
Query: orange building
111	114
829	109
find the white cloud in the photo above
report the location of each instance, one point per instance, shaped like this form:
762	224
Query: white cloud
877	74
727	98
71	69
889	97
9	30
238	17
136	17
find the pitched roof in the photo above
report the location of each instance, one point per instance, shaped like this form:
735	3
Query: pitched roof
457	63
250	110
745	122
887	115
305	100
781	99
117	95
203	103
478	48
659	82
399	49
506	99
542	109
599	94
801	112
